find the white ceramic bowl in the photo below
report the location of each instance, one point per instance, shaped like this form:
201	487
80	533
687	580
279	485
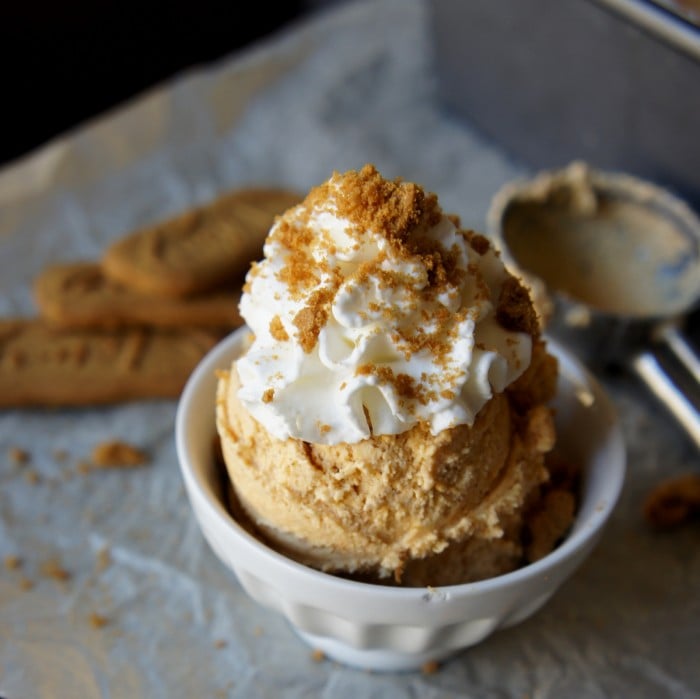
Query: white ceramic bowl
387	628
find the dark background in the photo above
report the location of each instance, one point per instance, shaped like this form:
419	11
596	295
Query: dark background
64	62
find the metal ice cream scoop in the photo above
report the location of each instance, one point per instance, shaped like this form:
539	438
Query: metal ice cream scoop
613	264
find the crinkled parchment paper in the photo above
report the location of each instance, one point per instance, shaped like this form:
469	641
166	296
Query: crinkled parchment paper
148	610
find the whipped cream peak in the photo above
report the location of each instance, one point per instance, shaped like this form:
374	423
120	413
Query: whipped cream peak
372	311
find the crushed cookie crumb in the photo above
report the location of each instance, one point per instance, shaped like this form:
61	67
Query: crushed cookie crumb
220	643
277	330
83	467
407	388
118	454
32	477
104	559
52	568
18	457
430	667
311	319
673	502
479	243
26	584
12	562
515	310
98	621
268	396
318	655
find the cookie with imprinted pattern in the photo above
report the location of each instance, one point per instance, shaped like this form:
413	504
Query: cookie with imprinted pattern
201	248
80	295
42	366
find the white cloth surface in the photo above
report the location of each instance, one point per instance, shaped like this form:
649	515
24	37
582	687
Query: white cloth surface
343	88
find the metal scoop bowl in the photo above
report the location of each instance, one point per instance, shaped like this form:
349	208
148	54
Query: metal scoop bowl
613	265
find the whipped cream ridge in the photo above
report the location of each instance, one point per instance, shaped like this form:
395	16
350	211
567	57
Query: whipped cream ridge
371	312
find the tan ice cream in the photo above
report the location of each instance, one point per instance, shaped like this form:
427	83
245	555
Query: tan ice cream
388	419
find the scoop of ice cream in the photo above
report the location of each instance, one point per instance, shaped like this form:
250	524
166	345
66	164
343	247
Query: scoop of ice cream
389	415
373	312
412	507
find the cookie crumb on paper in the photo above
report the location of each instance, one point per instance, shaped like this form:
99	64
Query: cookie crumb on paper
104	559
673	502
118	454
13	562
52	568
17	456
98	621
430	667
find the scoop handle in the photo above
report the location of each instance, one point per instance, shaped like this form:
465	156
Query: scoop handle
671	336
679	402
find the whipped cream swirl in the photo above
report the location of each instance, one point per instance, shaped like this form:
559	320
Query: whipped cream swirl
371	312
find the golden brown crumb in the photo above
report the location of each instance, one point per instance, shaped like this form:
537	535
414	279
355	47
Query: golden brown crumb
13	562
277	330
220	643
430	667
118	454
393	208
268	396
478	242
104	559
18	456
26	584
97	621
515	310
52	568
673	502
32	477
83	467
318	655
311	319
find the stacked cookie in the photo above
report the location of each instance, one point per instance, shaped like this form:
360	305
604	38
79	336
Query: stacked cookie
135	323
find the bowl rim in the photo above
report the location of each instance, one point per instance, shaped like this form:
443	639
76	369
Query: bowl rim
220	357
